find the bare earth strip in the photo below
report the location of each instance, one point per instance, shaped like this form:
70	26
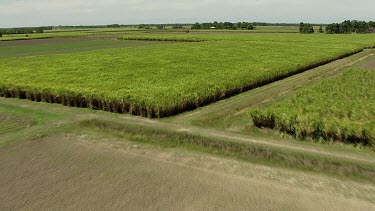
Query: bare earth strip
69	173
40	41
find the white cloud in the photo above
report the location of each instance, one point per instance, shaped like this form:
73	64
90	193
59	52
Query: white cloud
73	12
27	6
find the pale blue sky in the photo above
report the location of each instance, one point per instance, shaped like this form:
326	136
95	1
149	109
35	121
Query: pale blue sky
15	13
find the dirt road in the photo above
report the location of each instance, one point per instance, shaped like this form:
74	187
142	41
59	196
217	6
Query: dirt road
76	173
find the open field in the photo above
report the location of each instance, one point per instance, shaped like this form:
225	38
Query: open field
363	40
84	32
69	33
212	157
159	81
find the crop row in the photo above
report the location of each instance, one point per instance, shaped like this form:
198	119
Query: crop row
339	109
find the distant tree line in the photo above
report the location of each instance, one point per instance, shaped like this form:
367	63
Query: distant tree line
306	28
160	26
84	27
348	27
177	26
25	30
144	26
113	26
17	31
223	25
273	24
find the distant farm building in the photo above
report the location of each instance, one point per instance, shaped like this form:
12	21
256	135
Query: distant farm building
372	30
212	27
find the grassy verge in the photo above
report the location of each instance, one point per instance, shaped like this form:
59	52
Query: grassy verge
248	152
20	124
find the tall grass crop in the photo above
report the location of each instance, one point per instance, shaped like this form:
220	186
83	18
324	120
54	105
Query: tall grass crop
159	81
339	109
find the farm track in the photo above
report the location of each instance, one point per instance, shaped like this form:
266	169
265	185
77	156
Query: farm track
74	173
233	137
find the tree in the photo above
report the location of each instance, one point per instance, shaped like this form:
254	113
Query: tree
205	25
220	25
39	30
301	27
306	28
347	27
216	24
177	26
196	26
114	26
228	25
239	25
362	27
247	25
1	34
225	25
160	27
321	29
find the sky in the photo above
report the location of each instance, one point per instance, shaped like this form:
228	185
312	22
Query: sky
18	13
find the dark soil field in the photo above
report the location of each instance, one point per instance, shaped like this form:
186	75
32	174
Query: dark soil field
40	41
33	47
